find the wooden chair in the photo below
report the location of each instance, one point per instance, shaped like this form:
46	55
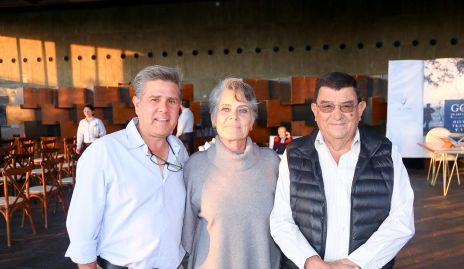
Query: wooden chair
68	168
69	151
24	144
15	180
5	154
49	186
7	142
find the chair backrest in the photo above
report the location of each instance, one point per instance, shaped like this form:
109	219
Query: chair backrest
15	179
5	154
51	172
435	135
20	160
27	147
48	142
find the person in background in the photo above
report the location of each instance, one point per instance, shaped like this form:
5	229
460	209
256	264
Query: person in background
185	126
128	204
343	198
90	128
230	189
281	140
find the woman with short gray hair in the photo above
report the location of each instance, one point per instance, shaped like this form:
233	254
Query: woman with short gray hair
230	189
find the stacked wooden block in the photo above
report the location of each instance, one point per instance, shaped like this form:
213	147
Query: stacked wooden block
287	101
57	112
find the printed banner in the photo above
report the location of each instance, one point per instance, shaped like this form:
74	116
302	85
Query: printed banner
454	116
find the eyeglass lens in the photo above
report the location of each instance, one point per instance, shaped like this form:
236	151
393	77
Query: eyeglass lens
345	108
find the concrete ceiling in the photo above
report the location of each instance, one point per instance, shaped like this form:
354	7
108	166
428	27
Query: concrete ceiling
41	5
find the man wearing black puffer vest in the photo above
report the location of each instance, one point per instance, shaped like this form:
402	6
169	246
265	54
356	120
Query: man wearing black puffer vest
343	197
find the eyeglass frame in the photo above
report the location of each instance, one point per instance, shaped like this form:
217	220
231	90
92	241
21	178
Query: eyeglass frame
177	166
348	104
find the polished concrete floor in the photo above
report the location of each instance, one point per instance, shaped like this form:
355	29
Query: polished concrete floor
438	243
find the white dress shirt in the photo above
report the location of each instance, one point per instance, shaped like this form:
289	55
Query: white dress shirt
380	248
87	130
123	208
185	122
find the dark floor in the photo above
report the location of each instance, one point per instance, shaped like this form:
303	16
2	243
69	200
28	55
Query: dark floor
438	243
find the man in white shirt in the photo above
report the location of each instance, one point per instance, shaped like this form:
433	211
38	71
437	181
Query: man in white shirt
343	197
128	203
185	126
90	128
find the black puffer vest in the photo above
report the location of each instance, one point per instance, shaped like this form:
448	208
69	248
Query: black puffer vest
370	194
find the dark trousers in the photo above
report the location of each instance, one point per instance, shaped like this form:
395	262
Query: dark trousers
187	139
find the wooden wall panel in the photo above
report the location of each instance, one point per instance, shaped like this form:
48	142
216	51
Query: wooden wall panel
16	115
299	91
121	113
260	87
301	128
51	115
260	135
379	110
34	97
68	128
69	96
272	113
303	113
364	85
311	85
104	96
196	110
280	90
187	92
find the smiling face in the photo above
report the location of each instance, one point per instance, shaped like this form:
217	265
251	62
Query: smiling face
337	125
233	119
157	109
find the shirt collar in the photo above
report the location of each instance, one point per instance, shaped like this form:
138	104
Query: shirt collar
134	139
320	139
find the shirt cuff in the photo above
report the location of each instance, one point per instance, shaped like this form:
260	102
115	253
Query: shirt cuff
300	262
82	253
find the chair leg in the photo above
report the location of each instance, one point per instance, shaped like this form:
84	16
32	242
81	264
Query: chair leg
8	231
29	214
45	212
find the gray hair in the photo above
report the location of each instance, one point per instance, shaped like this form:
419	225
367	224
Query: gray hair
243	93
156	72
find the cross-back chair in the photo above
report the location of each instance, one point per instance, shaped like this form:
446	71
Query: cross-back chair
49	187
15	182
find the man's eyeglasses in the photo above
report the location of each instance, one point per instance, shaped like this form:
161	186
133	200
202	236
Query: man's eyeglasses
173	167
329	107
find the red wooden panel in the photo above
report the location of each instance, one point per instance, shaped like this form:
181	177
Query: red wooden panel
260	135
34	97
121	113
311	85
68	128
51	115
272	113
299	90
16	115
187	91
301	128
103	96
379	110
69	96
260	87
196	110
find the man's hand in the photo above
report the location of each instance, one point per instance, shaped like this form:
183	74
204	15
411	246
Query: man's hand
78	151
315	262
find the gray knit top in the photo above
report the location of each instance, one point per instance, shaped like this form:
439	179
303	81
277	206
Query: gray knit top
229	199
